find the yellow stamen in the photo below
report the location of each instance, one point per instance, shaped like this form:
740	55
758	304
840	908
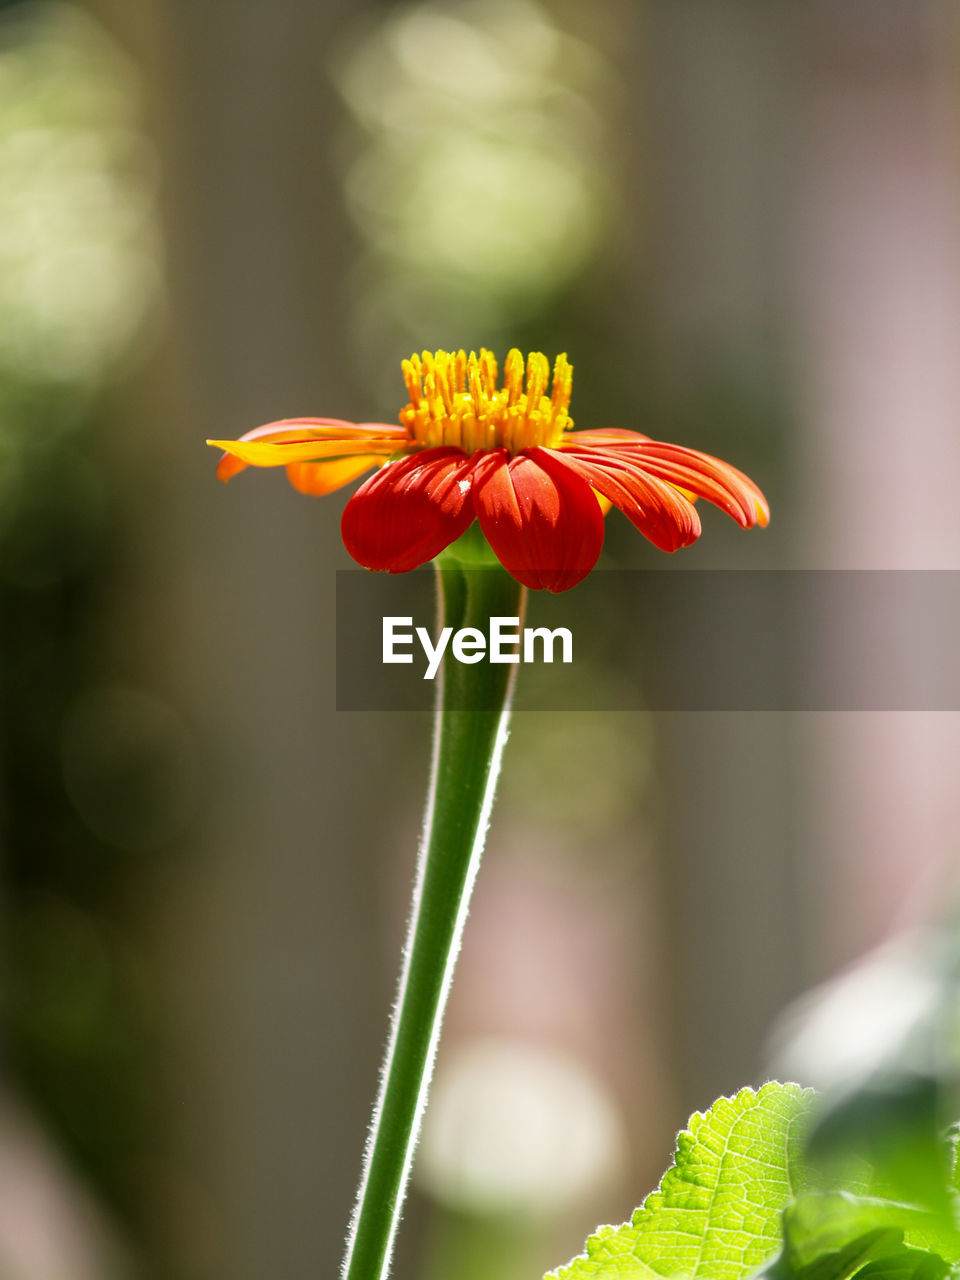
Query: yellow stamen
455	400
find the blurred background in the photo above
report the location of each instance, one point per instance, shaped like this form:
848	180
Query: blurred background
741	221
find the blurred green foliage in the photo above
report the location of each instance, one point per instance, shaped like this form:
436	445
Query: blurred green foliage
78	279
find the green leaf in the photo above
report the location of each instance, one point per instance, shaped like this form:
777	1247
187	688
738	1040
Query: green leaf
884	1044
906	1264
840	1263
717	1212
879	1255
893	1124
823	1222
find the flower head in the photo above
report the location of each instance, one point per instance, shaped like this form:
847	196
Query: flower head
507	456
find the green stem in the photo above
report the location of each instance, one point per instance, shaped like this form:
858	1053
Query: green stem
470	729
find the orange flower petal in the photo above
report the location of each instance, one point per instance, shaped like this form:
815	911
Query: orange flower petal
601	435
281	453
319	478
543	521
658	510
410	510
304	432
324	428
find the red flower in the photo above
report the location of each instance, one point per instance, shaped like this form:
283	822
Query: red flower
505	456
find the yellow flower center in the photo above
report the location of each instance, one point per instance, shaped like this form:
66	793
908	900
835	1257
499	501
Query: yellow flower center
455	400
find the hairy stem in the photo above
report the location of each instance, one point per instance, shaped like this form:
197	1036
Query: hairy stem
470	729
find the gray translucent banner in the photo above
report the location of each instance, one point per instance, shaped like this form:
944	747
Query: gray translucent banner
676	640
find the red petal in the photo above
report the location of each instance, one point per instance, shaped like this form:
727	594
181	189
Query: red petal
543	522
708	477
661	514
410	510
